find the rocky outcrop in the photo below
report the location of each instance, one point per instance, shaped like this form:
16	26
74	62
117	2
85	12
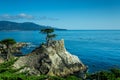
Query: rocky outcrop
54	60
15	48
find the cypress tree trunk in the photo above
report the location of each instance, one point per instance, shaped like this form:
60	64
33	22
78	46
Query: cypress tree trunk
9	54
47	40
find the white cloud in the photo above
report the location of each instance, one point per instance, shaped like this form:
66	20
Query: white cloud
48	18
5	16
25	17
16	17
22	14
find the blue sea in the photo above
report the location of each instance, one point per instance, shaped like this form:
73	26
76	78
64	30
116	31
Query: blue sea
98	49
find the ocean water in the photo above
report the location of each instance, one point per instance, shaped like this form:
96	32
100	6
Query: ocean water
98	49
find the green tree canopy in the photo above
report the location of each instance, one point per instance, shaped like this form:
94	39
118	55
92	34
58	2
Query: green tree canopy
49	35
8	41
47	31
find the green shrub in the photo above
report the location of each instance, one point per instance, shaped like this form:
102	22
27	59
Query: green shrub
72	78
116	72
113	74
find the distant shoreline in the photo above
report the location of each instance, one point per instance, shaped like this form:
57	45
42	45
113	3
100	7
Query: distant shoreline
63	30
34	30
94	30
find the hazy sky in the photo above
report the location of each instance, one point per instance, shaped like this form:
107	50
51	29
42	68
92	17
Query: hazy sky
69	14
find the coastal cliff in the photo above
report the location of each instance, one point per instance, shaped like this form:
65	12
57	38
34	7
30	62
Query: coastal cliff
53	60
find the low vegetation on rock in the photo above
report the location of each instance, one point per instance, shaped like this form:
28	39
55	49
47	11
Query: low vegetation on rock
112	74
8	73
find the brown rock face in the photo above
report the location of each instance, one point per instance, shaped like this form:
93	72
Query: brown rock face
54	60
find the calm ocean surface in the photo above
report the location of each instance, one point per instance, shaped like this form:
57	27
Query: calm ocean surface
98	49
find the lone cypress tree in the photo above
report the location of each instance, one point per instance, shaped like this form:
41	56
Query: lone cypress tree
49	35
8	42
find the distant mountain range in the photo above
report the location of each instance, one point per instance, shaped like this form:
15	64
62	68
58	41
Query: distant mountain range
26	26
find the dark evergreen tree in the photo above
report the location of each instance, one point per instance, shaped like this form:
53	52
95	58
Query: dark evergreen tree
8	42
49	35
